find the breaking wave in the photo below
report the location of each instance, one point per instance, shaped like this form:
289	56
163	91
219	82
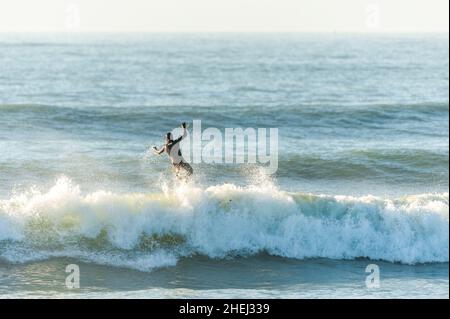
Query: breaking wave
146	231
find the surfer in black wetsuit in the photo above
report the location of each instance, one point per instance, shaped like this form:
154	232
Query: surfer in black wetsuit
172	148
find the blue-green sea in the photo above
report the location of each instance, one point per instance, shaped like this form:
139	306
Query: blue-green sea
363	122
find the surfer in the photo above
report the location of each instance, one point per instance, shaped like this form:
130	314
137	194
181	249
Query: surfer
172	148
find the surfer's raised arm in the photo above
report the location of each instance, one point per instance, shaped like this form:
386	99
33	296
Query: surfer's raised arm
178	140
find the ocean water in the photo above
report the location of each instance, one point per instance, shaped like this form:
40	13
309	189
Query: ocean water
363	166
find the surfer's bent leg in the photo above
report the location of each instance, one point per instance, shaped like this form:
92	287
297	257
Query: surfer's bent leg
187	168
183	166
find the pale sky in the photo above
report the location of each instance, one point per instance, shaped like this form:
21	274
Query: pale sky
224	15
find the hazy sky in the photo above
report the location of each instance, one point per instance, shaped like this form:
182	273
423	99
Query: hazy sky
225	15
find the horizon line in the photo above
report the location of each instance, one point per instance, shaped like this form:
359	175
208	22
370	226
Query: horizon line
225	31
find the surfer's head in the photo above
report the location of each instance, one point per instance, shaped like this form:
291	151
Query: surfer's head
169	137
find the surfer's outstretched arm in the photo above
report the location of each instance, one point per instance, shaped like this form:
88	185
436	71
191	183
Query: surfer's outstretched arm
158	152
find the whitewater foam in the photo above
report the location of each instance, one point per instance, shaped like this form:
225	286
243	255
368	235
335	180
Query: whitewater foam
145	231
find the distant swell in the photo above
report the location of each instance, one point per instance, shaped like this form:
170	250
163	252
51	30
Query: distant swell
323	113
144	231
